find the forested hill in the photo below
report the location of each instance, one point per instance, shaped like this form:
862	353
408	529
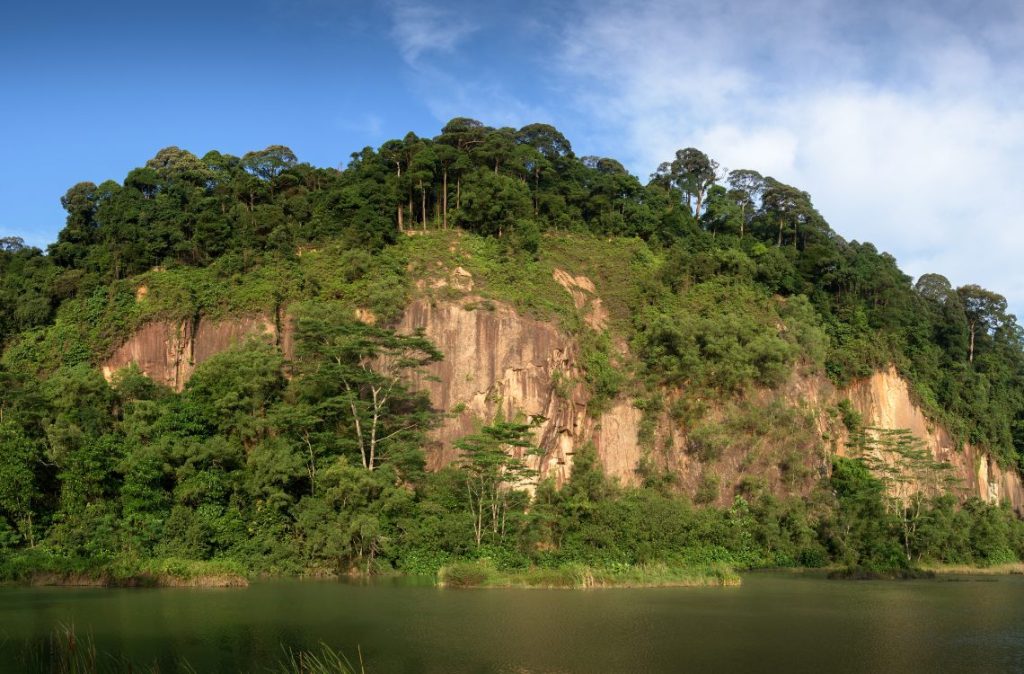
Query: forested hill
718	283
959	347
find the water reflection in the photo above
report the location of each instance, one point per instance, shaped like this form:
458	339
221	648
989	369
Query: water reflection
774	622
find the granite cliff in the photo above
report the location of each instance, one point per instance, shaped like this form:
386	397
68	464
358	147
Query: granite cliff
497	359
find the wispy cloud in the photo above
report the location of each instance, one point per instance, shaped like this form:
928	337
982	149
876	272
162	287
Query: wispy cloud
419	28
904	124
450	77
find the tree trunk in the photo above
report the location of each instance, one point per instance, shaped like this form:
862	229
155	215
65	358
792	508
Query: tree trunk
536	190
444	201
400	228
970	358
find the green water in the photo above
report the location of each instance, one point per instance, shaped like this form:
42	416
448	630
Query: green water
774	622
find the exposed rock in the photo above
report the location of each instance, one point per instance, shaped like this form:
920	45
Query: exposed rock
168	352
583	293
365	316
495	359
884	401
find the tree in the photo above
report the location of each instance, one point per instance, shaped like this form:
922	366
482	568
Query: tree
463	134
985	310
358	378
747	188
789	208
421	173
936	288
862	525
172	164
269	163
235	389
493	203
19	457
907	471
691	172
494	464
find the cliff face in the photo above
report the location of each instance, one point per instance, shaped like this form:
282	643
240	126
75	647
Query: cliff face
168	352
884	401
497	360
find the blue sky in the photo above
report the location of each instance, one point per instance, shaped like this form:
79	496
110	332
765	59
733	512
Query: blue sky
903	120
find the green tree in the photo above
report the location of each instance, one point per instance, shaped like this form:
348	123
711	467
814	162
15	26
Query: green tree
357	378
985	311
908	472
495	463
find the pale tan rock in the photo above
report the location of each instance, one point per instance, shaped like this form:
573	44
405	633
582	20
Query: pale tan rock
496	360
365	316
583	291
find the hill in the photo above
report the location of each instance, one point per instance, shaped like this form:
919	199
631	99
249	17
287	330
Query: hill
253	359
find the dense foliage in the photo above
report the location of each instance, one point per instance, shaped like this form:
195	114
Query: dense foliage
717	281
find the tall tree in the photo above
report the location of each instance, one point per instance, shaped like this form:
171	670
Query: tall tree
747	187
494	465
359	376
985	310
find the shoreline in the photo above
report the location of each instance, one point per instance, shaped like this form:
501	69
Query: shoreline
578	577
458	575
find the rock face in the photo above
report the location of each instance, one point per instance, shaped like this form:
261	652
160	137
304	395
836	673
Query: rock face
168	352
884	401
496	360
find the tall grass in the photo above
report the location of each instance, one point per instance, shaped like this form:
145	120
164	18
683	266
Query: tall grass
64	651
325	661
482	573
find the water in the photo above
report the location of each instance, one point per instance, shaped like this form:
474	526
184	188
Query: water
774	622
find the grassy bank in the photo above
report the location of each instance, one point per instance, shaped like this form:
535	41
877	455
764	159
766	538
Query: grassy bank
484	574
41	569
1011	569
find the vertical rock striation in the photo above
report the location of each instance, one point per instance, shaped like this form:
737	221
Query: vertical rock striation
499	363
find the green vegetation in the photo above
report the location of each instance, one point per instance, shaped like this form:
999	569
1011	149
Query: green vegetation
718	286
482	573
65	651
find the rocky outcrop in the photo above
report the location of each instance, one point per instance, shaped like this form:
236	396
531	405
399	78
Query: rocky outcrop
168	351
884	400
498	362
584	297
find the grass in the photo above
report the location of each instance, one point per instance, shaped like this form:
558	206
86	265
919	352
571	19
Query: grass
65	652
578	576
326	660
36	567
1010	569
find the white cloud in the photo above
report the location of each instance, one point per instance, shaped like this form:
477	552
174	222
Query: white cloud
419	28
430	39
903	125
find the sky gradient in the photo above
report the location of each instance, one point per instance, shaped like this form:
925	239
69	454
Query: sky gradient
905	123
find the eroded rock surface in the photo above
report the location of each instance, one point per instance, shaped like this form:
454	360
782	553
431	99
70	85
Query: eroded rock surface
884	401
496	360
168	351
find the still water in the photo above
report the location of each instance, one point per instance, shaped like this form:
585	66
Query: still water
772	623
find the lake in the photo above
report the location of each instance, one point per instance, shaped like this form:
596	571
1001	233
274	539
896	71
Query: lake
773	622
